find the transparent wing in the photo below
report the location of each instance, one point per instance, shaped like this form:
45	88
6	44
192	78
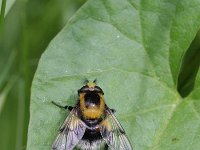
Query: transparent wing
113	133
71	132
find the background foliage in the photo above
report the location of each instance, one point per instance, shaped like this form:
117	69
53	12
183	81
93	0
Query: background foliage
29	26
26	30
139	52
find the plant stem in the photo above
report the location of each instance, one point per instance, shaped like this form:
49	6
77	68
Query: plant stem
3	8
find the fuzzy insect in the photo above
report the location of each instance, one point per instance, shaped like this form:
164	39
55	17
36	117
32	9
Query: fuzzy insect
91	124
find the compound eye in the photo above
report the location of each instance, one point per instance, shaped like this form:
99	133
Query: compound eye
99	90
83	89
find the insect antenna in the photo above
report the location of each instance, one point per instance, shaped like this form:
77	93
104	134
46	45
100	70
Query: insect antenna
95	81
86	81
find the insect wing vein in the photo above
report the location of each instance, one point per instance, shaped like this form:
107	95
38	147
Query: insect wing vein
113	133
71	132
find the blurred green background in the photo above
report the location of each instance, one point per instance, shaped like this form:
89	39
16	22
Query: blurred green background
26	28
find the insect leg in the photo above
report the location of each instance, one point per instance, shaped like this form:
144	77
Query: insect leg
113	110
62	107
106	147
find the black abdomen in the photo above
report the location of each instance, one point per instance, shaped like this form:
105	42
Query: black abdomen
92	140
91	135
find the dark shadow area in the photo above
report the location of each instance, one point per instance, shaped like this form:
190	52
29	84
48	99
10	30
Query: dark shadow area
189	68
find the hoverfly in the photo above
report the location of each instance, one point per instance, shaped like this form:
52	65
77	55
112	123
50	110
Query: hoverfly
91	124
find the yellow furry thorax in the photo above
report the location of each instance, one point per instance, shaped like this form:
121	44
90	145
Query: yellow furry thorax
92	112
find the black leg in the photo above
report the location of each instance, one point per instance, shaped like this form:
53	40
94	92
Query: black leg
62	107
106	147
113	110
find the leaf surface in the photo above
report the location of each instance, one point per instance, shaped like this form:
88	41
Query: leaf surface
135	50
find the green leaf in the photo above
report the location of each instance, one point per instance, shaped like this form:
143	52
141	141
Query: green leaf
3	95
135	50
9	4
28	28
5	6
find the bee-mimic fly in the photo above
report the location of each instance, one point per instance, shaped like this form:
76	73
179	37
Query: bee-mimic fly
91	124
